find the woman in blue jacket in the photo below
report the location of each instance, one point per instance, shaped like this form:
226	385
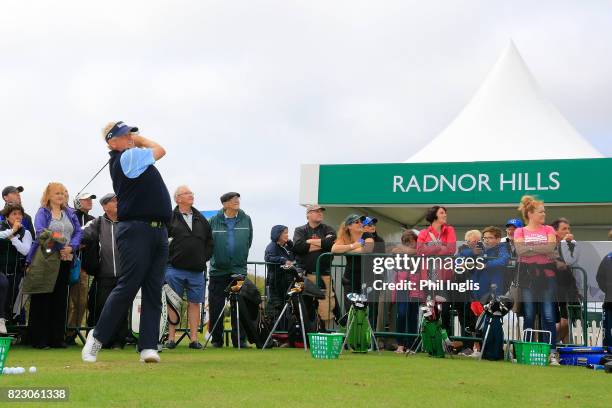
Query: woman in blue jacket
279	252
47	321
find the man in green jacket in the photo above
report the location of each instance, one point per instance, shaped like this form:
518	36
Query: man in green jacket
233	235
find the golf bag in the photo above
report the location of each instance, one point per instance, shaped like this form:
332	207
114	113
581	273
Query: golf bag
247	303
360	334
174	301
310	294
490	324
135	317
435	339
493	343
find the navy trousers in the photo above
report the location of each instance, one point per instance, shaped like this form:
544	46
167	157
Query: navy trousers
143	251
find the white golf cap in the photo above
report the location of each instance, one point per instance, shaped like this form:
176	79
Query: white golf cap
83	196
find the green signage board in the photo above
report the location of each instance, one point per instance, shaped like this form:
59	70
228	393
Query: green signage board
554	181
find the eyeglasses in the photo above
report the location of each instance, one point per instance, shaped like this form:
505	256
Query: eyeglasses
187	193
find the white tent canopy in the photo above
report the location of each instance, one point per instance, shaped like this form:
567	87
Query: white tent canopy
507	119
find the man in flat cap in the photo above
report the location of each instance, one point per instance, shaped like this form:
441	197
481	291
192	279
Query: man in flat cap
12	195
233	235
143	212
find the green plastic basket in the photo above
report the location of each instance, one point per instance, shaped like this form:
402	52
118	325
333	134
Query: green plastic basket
5	345
532	353
325	346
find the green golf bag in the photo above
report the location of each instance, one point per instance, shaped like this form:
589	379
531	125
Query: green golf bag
434	338
360	334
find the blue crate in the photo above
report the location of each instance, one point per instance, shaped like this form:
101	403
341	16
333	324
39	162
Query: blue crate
580	356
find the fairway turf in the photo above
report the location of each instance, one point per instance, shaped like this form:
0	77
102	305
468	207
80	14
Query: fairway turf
290	377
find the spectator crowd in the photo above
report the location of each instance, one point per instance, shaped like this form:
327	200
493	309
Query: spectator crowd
66	262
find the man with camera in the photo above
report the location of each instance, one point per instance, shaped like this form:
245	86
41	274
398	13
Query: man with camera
278	256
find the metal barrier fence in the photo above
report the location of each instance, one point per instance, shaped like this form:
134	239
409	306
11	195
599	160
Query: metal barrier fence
256	272
585	322
584	318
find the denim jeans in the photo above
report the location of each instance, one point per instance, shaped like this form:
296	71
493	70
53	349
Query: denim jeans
544	302
407	317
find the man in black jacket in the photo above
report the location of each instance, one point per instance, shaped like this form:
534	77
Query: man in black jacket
310	241
191	246
99	241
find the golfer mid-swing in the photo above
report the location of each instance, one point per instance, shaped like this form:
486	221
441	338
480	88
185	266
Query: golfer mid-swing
142	239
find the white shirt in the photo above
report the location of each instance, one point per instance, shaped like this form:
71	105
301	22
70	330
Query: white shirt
22	246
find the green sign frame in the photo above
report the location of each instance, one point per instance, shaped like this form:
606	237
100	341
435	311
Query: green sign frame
499	182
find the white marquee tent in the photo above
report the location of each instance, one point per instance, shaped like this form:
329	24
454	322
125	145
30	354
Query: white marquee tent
507	120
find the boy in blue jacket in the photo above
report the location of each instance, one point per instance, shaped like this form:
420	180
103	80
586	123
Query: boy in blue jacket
497	257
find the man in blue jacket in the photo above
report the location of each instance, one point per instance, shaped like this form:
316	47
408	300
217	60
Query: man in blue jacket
144	211
232	232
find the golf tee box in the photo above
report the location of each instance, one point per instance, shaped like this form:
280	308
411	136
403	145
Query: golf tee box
581	356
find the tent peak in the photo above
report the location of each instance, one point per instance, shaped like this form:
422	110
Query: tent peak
507	119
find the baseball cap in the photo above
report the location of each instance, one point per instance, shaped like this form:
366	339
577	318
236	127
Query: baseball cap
83	196
228	196
314	207
514	222
370	221
106	198
350	219
119	129
11	189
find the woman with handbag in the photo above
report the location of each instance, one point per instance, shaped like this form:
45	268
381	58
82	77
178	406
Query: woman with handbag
59	229
535	247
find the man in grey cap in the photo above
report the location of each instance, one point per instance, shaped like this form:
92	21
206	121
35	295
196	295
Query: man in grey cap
233	235
12	195
100	244
310	241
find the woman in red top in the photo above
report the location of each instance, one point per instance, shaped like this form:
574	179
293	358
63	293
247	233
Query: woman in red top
535	246
437	240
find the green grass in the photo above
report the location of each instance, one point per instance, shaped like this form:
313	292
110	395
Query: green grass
290	377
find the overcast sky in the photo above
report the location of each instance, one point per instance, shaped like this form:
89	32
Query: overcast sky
242	92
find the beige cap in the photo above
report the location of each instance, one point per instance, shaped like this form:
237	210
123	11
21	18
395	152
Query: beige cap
314	207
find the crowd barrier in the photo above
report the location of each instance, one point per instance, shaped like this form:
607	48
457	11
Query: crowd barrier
585	318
